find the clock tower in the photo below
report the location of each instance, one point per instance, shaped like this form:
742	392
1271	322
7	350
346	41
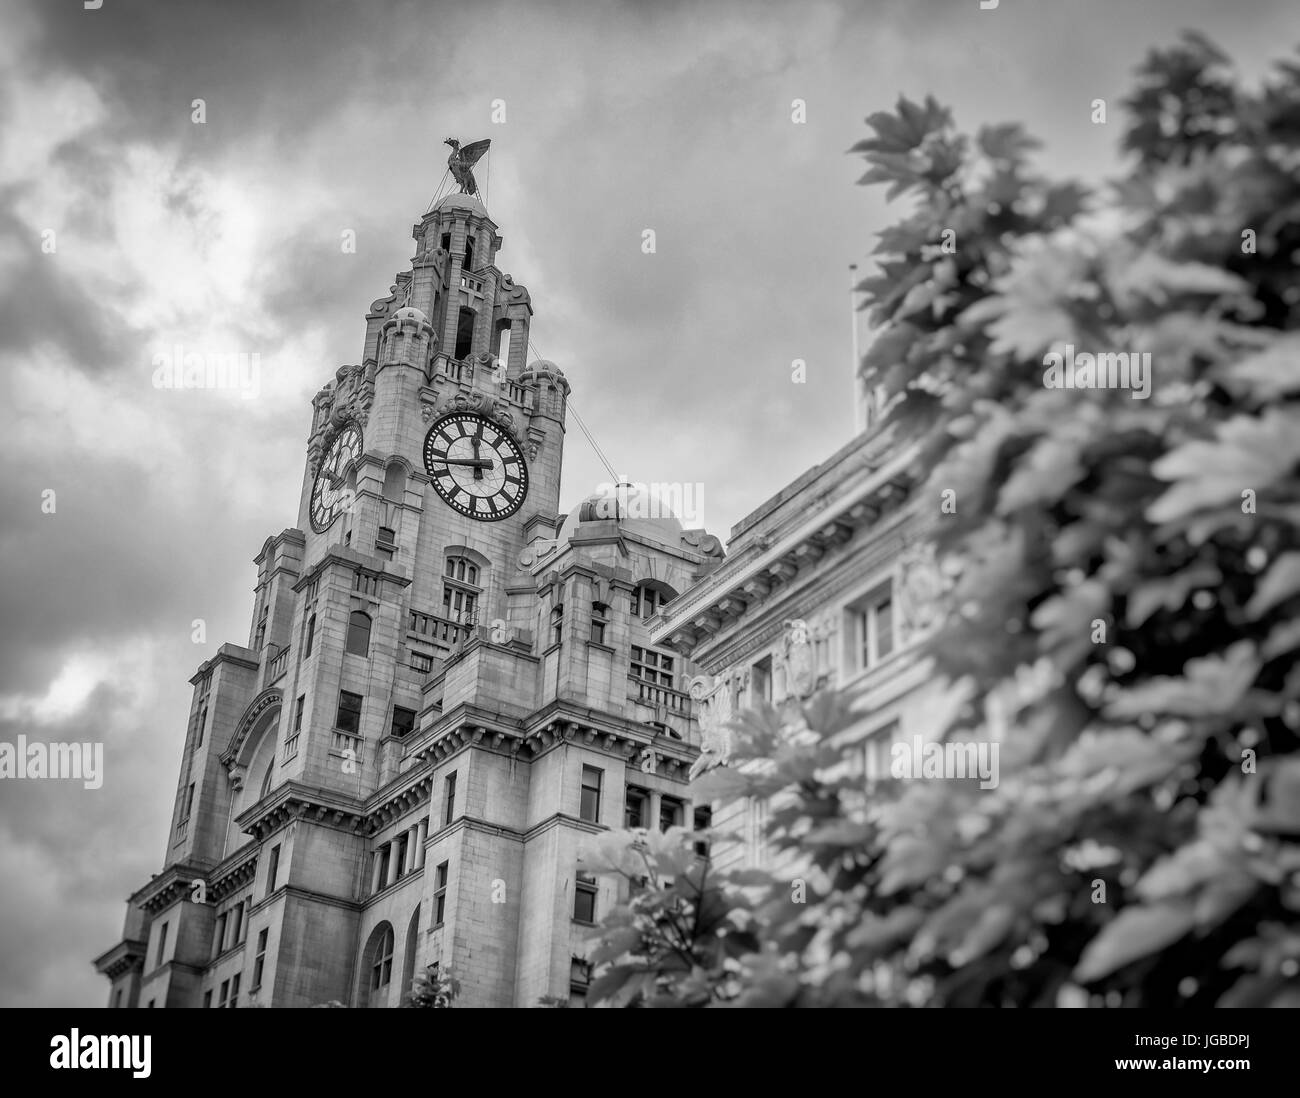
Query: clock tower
448	690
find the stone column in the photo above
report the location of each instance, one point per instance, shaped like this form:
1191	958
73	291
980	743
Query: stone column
393	861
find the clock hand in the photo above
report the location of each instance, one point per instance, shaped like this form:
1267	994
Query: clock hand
475	441
479	464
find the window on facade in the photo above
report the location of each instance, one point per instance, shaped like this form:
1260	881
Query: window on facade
207	999
421	662
381	968
653	667
349	715
703	821
225	994
670	813
117	998
203	720
440	893
579	981
219	935
189	802
647	600
394	482
162	943
234	991
873	627
359	633
449	798
237	924
297	712
557	623
464	333
403	722
584	899
461	568
384	853
458	604
259	961
310	637
636	807
260	639
760	681
400	846
599	621
589	807
386	542
272	870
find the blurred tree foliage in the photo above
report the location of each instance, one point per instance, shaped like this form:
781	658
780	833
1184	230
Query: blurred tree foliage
1158	768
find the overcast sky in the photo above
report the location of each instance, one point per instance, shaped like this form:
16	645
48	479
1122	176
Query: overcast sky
225	236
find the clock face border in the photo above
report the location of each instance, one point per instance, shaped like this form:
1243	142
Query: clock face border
505	442
326	463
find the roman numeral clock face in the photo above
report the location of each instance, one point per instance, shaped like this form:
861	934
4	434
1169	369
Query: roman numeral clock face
476	467
330	496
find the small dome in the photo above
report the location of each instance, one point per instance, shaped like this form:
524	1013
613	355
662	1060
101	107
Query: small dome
461	202
410	312
637	509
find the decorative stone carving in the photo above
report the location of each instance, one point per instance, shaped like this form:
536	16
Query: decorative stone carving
705	543
347	399
799	658
918	588
713	704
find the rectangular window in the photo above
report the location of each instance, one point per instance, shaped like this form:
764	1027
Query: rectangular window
579	981
385	853
162	943
638	803
219	936
207	999
225	994
760	681
349	715
311	636
311	589
234	991
403	722
400	845
237	924
599	620
584	900
449	799
259	962
440	894
670	813
703	821
557	624
203	720
189	802
272	868
421	663
386	542
589	807
873	624
653	667
297	712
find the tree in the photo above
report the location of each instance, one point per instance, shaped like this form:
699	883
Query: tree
1125	578
432	990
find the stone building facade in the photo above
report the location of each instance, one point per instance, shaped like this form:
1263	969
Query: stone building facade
447	689
829	583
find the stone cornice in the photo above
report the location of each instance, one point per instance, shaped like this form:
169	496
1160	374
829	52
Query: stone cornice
126	956
167	887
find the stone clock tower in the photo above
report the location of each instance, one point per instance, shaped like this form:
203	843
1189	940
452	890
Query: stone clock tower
448	689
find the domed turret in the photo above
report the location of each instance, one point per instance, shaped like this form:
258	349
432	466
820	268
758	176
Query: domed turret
635	507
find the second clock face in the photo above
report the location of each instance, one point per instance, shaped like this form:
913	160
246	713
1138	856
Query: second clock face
476	467
329	494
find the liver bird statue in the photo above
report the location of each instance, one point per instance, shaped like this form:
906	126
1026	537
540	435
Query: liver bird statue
462	160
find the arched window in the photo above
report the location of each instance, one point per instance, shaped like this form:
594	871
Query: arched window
395	482
412	945
461	590
266	781
311	635
359	633
381	960
649	597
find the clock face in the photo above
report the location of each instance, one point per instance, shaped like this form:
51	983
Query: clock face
476	467
330	496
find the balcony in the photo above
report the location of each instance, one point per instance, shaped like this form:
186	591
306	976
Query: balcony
656	697
277	666
342	742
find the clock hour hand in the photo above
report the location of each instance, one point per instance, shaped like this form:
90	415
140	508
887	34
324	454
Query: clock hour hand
479	464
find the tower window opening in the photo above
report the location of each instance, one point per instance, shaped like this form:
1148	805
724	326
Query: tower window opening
464	333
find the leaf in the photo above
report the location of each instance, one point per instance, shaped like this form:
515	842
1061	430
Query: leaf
1134	933
1271	373
1210	685
1278	584
1169	592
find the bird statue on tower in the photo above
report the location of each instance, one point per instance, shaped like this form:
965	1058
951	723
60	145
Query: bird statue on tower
462	160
